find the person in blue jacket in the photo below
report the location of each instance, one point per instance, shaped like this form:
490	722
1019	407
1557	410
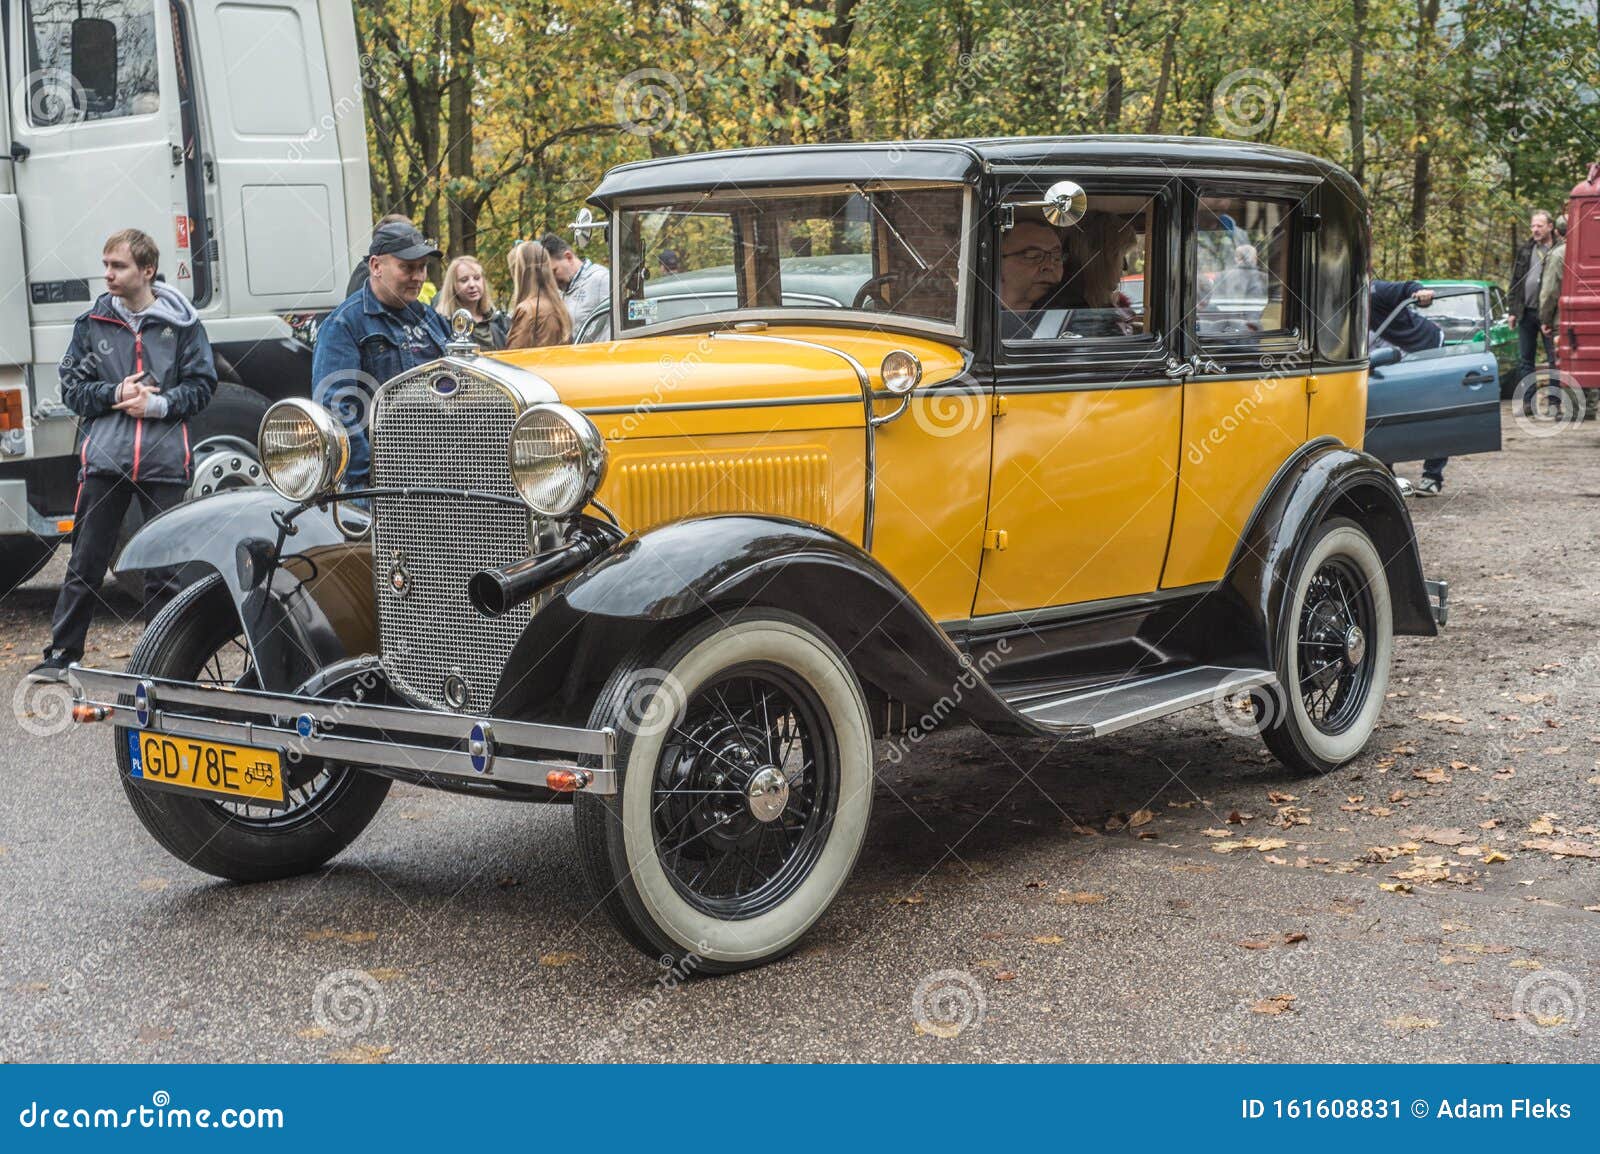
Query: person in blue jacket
139	366
377	333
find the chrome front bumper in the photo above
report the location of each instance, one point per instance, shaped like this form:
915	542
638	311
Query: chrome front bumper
480	749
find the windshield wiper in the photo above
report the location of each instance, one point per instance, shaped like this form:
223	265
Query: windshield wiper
862	193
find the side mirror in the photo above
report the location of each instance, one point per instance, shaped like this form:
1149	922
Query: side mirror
1387	355
584	226
94	62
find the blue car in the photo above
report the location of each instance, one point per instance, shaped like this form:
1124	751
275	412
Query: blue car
1441	402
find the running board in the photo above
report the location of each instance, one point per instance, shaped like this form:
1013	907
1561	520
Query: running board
1098	710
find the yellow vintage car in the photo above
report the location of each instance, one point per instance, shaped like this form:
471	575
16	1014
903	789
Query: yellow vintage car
1050	436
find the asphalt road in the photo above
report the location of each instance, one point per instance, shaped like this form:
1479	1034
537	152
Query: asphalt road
1013	901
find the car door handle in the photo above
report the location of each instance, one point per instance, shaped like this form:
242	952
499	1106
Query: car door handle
1477	377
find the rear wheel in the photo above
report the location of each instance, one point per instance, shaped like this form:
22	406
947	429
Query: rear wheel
744	761
1334	646
198	638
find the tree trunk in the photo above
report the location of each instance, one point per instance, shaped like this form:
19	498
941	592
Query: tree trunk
1113	113
463	216
836	107
1169	51
1422	159
1358	90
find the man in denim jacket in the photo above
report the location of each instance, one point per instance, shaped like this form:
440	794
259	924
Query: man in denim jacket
139	366
378	333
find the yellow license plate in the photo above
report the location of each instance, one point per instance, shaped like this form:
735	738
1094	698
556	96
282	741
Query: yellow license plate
235	772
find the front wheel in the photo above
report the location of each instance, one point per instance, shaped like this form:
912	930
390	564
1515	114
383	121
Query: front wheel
744	759
1334	646
197	637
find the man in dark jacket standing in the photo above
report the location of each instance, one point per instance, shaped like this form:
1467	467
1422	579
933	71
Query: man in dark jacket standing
1522	296
139	366
379	333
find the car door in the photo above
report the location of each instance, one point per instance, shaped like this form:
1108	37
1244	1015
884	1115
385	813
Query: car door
1247	329
1442	402
1084	465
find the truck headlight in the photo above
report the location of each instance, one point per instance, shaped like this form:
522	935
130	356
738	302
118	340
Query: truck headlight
558	459
303	448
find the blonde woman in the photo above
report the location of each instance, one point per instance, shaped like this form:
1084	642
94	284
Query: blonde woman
466	287
538	314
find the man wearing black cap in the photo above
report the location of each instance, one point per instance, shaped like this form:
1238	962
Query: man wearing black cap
376	334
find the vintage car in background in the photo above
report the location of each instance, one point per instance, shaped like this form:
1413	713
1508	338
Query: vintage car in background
1464	317
1442	402
683	579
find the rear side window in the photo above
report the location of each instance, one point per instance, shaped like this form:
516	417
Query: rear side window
90	60
1244	269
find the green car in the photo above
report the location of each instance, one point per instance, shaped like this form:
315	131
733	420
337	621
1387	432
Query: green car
1463	318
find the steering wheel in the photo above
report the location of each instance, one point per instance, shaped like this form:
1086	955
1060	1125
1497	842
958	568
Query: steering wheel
869	291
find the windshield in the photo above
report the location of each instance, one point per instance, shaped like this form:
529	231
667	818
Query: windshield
891	250
1461	317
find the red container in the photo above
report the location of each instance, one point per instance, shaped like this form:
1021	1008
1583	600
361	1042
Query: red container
1578	334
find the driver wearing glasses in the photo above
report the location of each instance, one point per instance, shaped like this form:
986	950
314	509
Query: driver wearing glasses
1031	268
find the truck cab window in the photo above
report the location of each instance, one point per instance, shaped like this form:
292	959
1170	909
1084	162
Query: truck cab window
90	60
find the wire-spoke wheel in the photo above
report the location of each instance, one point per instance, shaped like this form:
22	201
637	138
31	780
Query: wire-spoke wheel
198	638
1335	643
745	781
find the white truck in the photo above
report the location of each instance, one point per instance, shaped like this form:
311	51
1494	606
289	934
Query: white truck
231	131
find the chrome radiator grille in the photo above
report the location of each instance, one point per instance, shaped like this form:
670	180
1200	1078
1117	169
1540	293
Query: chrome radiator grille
431	546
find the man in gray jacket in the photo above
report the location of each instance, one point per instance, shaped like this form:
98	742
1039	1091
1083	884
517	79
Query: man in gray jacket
139	366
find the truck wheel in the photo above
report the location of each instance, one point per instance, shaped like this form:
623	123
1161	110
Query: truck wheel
744	765
21	556
1335	642
197	637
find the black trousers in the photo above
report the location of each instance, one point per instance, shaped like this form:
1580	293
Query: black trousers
102	504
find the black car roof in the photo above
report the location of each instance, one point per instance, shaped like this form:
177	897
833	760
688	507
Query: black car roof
952	160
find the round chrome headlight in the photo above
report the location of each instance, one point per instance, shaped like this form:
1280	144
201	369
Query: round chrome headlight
901	372
303	447
558	459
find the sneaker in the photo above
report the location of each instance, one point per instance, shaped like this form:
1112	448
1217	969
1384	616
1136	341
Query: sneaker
52	668
1406	488
1430	487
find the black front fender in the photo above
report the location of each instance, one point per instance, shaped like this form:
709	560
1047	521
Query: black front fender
656	583
300	612
1326	479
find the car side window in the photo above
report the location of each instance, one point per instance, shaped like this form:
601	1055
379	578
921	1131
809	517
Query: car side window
1079	282
1243	268
90	60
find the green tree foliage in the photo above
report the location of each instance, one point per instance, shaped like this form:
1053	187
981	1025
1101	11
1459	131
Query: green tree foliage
491	120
